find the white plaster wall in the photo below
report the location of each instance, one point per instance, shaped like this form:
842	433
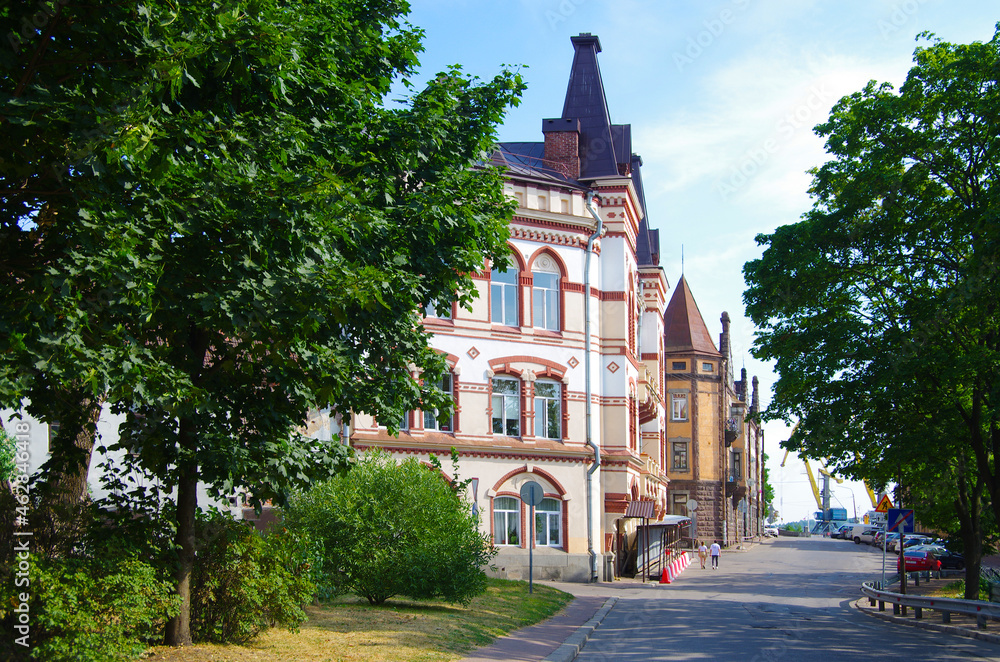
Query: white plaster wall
107	430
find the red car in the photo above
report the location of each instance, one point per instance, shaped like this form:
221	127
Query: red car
919	561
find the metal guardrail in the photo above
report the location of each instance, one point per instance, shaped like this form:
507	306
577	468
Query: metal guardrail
947	606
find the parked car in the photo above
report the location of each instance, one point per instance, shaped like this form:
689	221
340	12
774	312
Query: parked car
949	560
862	533
877	539
771	531
918	561
912	540
891	540
843	532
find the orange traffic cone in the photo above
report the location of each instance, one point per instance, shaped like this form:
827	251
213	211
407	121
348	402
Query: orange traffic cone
665	577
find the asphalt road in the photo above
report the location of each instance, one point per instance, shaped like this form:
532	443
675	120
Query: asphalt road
786	600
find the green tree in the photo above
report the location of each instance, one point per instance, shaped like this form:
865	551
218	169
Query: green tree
767	490
880	307
391	529
221	223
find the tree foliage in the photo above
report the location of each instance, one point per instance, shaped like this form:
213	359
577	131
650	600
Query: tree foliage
245	581
880	306
213	221
391	529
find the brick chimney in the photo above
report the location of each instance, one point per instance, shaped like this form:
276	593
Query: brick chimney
562	145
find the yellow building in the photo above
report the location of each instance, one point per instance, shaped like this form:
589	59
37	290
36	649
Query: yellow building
715	460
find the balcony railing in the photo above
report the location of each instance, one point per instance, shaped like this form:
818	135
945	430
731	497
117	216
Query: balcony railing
732	430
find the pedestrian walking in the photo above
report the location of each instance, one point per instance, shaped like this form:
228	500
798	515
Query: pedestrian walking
715	551
703	554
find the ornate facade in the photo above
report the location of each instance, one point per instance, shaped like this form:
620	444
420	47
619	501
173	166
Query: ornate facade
559	362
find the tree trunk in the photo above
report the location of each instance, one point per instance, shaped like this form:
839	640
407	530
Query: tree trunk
178	631
67	477
968	507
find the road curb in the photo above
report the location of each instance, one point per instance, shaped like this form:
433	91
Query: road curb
936	627
574	643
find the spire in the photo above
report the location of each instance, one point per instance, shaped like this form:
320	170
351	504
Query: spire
724	336
585	101
684	328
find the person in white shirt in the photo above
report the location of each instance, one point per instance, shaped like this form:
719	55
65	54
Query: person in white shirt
703	554
715	550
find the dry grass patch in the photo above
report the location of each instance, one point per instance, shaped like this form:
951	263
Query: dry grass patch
350	630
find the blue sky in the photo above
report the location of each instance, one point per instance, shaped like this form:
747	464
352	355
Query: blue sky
722	98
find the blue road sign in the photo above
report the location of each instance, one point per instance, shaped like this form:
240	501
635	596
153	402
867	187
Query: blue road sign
899	520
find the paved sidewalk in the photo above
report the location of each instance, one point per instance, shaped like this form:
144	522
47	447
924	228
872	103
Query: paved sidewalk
569	626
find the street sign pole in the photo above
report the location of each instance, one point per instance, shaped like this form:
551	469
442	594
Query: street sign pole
531	494
531	550
900	519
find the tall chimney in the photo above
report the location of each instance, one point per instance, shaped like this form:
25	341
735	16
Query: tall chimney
562	145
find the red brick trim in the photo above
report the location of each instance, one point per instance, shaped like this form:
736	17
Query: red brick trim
502	365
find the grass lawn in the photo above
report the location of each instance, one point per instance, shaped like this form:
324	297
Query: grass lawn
350	629
955	589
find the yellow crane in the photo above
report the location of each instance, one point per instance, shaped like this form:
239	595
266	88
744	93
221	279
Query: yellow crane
823	470
812	479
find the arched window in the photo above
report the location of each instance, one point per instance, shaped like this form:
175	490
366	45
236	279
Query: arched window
506	521
548	409
506	406
503	296
548	523
431	421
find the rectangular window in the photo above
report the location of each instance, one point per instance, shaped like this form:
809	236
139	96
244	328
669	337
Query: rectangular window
678	365
737	470
679	505
548	523
431	421
506	407
548	407
503	295
430	310
707	367
678	406
545	295
680	456
506	521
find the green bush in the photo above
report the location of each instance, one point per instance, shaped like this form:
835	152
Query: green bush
245	582
89	609
390	529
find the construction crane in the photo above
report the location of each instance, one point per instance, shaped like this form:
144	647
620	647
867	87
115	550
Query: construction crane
812	481
825	513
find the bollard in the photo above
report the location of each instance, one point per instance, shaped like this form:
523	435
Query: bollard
871	602
946	617
918	612
881	605
895	609
981	621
